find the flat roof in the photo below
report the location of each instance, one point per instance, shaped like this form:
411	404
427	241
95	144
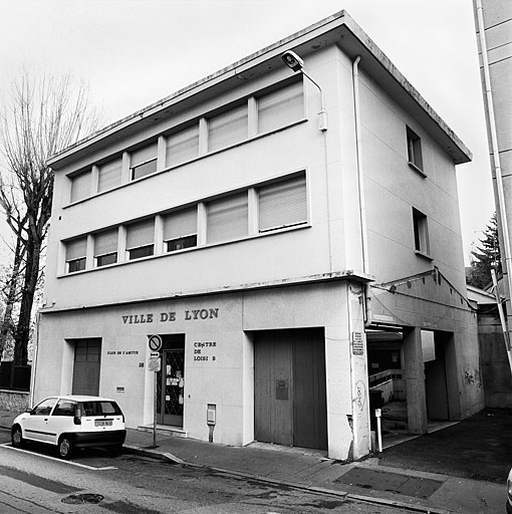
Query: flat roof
339	29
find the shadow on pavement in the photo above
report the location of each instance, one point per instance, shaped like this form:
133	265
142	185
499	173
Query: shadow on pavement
479	448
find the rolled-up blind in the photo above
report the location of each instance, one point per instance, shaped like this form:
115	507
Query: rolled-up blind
180	223
109	175
227	218
105	242
283	203
76	249
80	186
140	234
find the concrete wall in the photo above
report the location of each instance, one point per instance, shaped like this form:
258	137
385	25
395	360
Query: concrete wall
14	401
226	378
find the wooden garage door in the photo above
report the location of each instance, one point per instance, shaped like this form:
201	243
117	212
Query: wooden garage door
290	398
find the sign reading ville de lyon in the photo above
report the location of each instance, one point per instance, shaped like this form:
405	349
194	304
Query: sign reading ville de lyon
170	316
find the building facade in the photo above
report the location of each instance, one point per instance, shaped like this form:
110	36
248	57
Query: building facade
286	237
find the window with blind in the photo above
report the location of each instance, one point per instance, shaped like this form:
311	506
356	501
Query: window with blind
227	218
182	146
81	186
105	247
280	107
109	175
282	204
76	251
140	239
180	229
228	128
143	161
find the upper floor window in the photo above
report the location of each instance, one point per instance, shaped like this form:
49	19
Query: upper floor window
180	229
105	247
76	253
282	204
421	237
414	153
227	218
182	146
143	161
81	186
280	107
140	239
110	175
228	128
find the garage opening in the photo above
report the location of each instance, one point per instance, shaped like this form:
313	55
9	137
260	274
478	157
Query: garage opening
290	389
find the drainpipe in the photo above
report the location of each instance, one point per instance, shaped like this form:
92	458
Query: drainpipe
491	120
359	166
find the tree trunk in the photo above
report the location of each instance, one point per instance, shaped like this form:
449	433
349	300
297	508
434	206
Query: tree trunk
22	334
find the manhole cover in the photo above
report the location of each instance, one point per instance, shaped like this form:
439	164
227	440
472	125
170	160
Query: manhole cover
76	499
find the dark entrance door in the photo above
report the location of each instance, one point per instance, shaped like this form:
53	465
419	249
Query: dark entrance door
86	369
171	382
290	397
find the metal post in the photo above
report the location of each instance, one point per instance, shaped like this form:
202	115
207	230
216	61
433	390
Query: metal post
378	415
155	409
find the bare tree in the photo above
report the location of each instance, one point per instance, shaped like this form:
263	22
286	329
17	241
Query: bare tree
41	117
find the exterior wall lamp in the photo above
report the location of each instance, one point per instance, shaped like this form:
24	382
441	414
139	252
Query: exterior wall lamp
295	63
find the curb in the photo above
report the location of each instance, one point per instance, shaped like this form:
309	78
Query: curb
169	457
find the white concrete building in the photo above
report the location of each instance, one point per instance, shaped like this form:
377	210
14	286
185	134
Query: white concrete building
281	256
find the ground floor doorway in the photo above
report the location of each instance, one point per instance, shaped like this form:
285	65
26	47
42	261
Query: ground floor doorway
171	381
290	388
86	366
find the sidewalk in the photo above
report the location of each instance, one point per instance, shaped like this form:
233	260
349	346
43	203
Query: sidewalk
459	469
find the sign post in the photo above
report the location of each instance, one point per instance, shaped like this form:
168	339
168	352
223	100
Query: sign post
155	345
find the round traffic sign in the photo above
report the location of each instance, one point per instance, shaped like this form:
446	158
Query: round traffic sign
155	343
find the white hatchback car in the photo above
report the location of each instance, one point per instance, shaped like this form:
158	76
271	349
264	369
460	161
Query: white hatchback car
509	493
70	422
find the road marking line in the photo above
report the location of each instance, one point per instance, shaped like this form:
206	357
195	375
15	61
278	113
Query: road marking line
8	445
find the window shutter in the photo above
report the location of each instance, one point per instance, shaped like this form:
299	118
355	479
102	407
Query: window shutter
180	224
81	186
282	204
182	146
281	107
109	175
227	218
140	234
143	154
105	242
228	128
76	249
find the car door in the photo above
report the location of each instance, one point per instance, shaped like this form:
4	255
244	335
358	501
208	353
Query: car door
60	419
35	425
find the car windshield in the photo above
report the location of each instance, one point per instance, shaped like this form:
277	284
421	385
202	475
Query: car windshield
100	408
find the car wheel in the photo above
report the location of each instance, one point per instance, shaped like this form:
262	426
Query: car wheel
17	437
65	447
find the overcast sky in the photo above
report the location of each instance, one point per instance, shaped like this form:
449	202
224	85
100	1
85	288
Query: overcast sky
134	52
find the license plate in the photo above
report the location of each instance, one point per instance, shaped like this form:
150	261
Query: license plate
103	423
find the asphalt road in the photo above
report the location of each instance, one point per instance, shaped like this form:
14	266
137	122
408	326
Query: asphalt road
34	481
